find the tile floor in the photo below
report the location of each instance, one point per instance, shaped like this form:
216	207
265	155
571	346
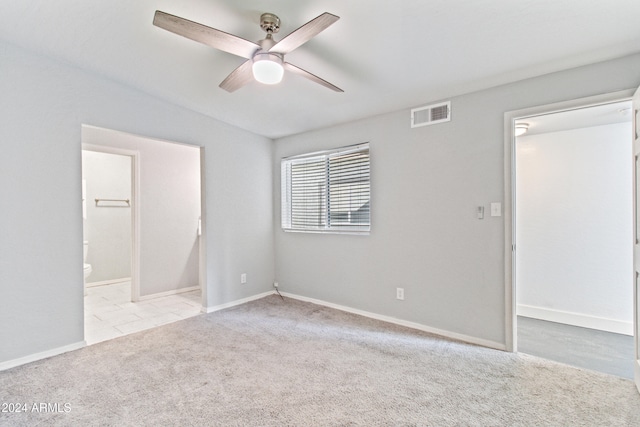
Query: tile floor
109	312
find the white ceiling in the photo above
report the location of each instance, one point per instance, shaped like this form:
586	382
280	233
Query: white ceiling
385	55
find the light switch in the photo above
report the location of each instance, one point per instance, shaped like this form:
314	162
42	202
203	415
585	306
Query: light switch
496	209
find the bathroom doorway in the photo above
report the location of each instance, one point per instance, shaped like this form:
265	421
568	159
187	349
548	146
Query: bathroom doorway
164	202
107	216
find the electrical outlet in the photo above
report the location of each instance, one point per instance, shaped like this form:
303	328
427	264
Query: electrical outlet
400	293
275	284
243	278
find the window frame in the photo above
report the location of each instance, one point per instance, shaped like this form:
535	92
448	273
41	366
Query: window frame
285	196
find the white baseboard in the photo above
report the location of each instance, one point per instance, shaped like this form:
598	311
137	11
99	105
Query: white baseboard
236	302
396	321
42	355
107	282
168	293
575	319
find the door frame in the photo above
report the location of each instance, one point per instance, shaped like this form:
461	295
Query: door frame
135	210
510	118
635	108
202	235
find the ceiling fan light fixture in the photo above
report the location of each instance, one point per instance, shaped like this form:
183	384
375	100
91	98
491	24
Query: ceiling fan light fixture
264	59
521	128
267	68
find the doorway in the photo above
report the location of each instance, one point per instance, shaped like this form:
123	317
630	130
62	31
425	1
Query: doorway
107	193
571	218
165	247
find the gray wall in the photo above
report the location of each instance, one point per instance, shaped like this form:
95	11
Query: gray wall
43	105
107	229
426	184
169	204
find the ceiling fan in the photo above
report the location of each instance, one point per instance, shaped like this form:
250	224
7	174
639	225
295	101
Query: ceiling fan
265	58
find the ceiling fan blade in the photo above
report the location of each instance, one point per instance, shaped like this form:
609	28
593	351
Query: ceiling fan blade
206	35
312	77
239	77
304	33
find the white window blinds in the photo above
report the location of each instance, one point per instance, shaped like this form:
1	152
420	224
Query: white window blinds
328	191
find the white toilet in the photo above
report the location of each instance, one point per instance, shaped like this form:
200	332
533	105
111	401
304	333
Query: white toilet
87	267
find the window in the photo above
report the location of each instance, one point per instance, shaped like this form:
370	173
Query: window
327	192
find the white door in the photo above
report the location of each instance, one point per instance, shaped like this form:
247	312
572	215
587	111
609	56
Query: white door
636	252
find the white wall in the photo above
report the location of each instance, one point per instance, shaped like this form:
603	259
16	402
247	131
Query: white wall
107	227
574	227
169	206
43	104
426	184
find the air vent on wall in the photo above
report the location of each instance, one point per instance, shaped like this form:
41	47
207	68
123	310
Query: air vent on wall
431	114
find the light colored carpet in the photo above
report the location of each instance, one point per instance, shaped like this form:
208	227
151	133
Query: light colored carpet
272	362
